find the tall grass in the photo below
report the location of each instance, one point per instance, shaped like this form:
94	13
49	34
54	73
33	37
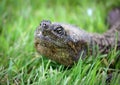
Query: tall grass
19	61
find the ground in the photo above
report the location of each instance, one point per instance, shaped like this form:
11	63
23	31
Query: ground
19	61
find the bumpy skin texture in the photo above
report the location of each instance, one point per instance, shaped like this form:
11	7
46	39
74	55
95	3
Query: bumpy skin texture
65	43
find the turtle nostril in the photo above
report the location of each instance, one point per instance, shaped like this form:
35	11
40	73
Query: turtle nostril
45	24
40	24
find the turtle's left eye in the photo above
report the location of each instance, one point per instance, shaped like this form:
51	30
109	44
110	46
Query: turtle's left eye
59	30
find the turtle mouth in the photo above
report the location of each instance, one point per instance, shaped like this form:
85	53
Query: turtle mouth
47	41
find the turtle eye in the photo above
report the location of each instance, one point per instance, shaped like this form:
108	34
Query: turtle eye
59	30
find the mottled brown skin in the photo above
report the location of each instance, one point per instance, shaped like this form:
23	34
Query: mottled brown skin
65	43
60	43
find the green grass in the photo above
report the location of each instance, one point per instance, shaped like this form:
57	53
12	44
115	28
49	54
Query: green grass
19	61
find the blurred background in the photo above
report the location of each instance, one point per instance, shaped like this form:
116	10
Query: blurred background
19	19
